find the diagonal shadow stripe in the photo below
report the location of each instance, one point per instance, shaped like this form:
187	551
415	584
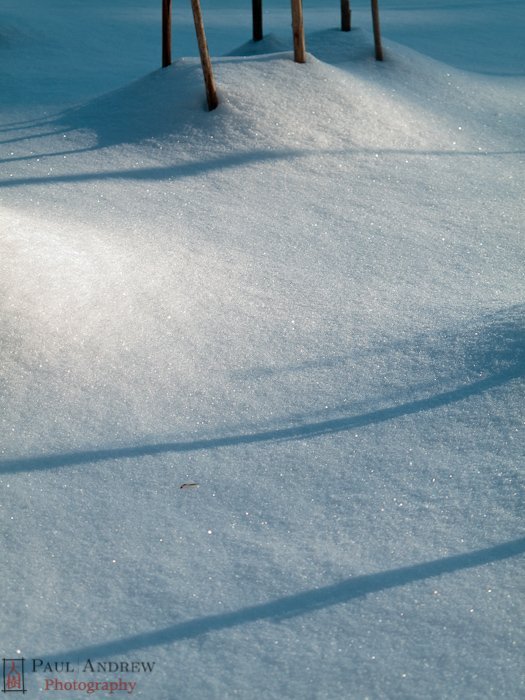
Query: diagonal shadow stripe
305	431
194	169
300	603
156	172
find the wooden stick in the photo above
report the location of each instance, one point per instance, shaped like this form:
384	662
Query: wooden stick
166	33
377	31
209	81
346	15
257	20
299	49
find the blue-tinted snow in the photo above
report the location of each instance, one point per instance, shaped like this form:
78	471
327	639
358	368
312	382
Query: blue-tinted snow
311	303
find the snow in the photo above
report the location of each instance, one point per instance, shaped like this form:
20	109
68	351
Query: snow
310	303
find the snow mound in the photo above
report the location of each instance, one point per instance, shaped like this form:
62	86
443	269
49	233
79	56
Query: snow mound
310	302
266	100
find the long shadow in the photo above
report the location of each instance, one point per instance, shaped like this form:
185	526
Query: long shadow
24	124
299	432
167	102
347	151
157	105
31	137
49	154
195	168
300	603
159	173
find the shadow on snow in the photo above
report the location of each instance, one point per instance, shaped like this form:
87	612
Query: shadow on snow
301	603
300	432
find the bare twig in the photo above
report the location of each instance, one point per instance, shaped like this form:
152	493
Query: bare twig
377	31
299	48
257	20
209	81
346	16
166	33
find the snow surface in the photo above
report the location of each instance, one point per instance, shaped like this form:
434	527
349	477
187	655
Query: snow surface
309	302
